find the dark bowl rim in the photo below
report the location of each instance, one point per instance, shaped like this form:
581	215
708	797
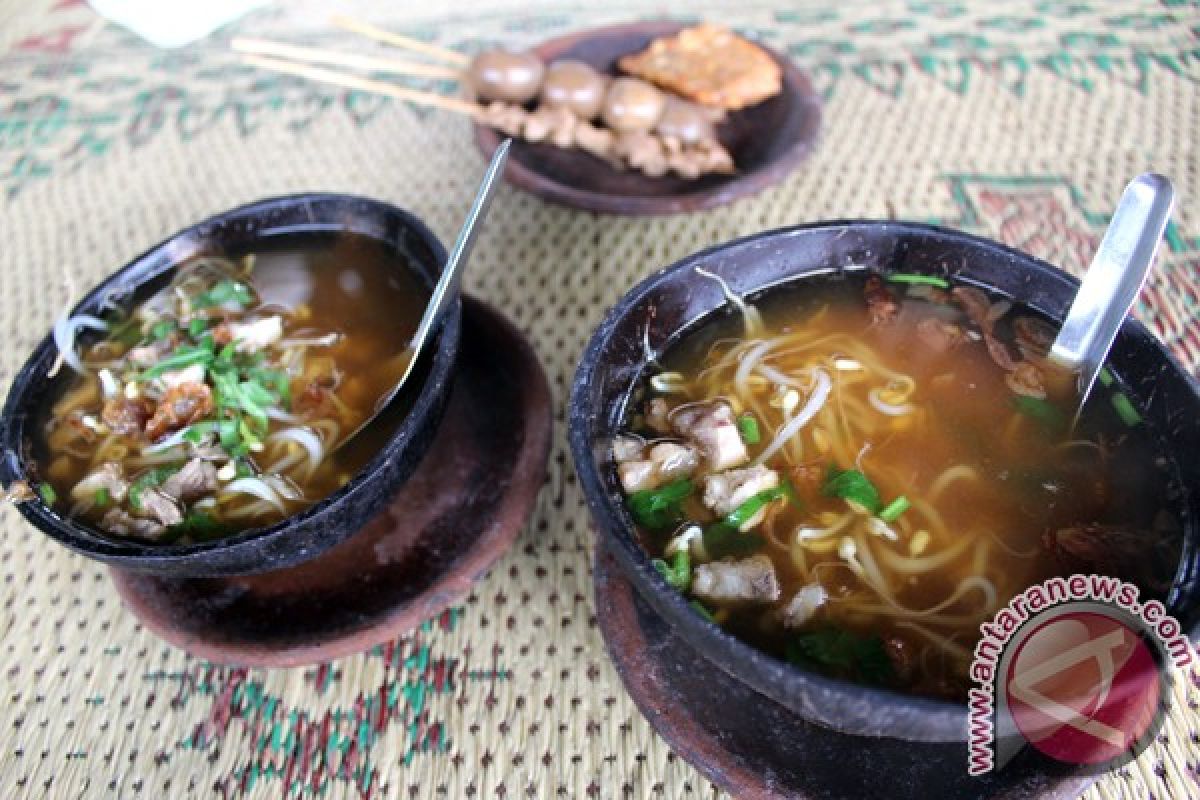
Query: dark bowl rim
143	269
739	186
946	720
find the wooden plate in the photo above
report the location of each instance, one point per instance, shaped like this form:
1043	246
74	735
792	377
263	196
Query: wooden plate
767	141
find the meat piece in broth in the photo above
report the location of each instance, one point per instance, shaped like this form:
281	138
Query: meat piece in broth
725	491
108	478
734	583
254	336
127	416
712	427
804	605
119	521
939	335
159	506
196	479
881	303
180	406
658	464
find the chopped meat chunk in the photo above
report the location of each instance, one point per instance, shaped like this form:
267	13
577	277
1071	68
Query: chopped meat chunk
178	377
976	306
505	117
1140	556
254	336
725	491
627	448
1026	379
663	463
657	415
1034	337
148	355
713	428
197	478
108	477
119	521
881	303
938	335
806	602
125	416
157	505
999	352
595	140
643	151
180	407
734	583
222	334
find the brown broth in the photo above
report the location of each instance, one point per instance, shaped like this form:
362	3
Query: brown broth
346	284
1028	480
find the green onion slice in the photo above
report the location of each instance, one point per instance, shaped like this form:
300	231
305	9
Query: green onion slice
748	427
852	485
914	278
1125	410
678	574
659	508
892	511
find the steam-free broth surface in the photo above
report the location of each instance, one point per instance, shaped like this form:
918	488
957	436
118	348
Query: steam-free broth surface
857	473
219	404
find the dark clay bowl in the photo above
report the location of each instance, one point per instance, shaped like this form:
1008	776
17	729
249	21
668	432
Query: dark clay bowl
672	301
319	527
767	141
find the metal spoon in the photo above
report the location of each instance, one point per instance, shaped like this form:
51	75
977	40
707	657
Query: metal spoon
1114	279
451	279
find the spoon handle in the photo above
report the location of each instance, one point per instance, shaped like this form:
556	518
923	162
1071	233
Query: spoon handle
1114	279
450	281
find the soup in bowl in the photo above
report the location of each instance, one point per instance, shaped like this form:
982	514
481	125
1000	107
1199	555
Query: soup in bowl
199	412
827	454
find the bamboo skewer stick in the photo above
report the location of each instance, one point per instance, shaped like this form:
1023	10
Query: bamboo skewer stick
364	84
399	40
315	55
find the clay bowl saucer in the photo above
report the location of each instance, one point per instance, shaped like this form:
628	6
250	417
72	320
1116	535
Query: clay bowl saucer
755	748
767	141
450	521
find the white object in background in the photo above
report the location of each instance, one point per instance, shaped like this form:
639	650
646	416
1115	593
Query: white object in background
174	23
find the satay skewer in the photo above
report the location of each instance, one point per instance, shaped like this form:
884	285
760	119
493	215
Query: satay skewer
317	55
642	150
399	40
349	81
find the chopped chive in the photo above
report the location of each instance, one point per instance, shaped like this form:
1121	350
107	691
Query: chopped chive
678	574
197	327
1106	377
913	278
181	358
702	611
162	330
746	511
49	496
102	498
894	509
659	508
748	426
852	485
1125	409
222	293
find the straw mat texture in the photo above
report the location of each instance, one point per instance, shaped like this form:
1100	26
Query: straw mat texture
1020	120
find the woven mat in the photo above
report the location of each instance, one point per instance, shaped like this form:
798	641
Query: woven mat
1021	120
